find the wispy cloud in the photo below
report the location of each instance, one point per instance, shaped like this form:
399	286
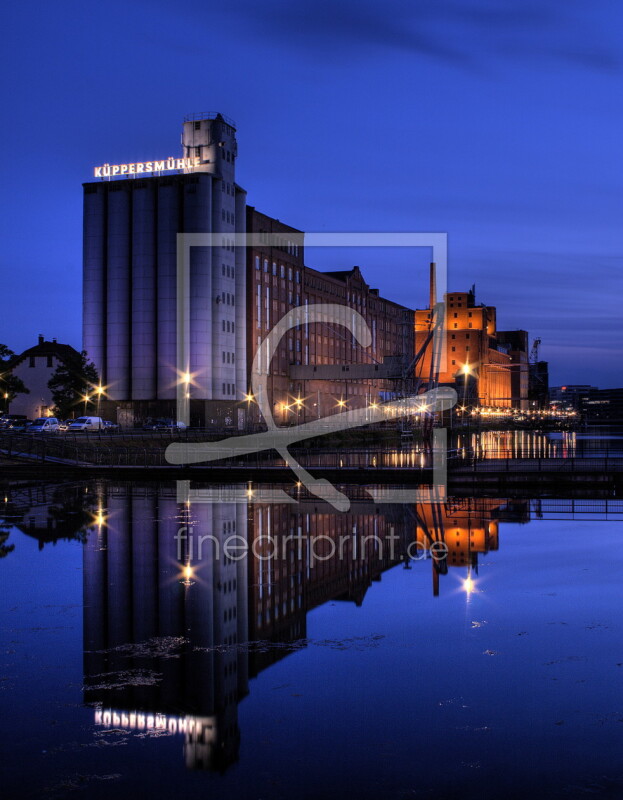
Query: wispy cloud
459	32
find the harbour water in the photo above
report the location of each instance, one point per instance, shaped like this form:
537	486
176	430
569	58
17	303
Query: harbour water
255	649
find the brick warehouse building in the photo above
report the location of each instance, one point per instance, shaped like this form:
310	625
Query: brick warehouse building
319	367
487	366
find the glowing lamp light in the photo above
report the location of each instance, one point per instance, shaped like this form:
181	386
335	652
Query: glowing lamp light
249	397
469	585
187	575
341	403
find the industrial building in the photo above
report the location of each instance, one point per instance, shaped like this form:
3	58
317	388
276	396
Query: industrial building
130	261
488	367
132	215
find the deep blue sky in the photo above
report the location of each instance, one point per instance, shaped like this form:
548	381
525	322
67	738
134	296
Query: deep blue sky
498	121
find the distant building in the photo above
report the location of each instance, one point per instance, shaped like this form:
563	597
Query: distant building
570	396
35	367
517	343
487	367
602	404
538	388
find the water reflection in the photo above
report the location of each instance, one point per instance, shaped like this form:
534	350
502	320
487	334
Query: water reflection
176	625
174	631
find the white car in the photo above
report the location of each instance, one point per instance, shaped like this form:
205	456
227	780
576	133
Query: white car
87	424
44	425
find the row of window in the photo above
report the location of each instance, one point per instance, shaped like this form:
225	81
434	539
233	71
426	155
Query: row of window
229	388
228	299
228	272
227	188
227	216
228	326
282	270
228	358
280	244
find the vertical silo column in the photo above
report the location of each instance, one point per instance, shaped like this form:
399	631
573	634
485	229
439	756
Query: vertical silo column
197	219
94	276
242	379
144	291
168	228
118	284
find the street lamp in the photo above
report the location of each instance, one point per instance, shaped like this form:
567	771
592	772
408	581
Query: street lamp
99	391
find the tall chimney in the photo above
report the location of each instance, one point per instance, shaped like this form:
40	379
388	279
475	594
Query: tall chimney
433	285
41	338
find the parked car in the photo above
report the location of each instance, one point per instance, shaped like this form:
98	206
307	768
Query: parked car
44	425
19	425
163	424
7	419
87	424
109	427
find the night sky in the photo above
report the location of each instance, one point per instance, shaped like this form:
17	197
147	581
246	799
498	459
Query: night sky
498	121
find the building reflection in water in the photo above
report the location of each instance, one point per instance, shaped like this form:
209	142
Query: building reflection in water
173	632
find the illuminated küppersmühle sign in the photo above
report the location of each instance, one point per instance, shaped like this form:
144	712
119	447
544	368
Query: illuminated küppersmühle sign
142	167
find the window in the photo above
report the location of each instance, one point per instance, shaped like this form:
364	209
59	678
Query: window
455	315
469	325
257	262
49	361
453	349
32	361
282	270
289	273
265	265
274	268
197	152
456	325
197	126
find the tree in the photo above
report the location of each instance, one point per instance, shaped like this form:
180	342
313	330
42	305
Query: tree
10	385
72	385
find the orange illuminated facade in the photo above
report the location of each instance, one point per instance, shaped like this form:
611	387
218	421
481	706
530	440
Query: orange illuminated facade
479	361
